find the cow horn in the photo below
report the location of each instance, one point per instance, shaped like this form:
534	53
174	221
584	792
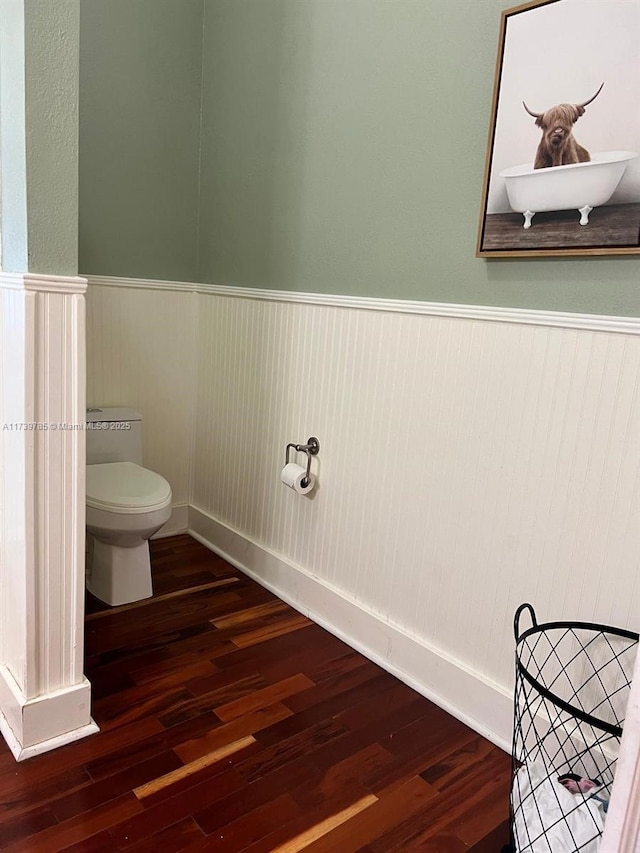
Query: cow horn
583	105
535	115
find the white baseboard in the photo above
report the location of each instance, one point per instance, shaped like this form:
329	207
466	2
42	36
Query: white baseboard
21	753
178	523
34	726
461	692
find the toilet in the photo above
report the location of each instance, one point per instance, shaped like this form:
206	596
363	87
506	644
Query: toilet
126	504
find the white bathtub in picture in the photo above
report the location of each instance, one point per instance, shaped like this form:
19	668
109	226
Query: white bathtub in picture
579	186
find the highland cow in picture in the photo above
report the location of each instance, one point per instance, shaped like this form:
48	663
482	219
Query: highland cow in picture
558	146
551	189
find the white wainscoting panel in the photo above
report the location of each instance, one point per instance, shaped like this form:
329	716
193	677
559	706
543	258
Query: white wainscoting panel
141	353
428	670
44	697
59	370
471	458
16	497
465	466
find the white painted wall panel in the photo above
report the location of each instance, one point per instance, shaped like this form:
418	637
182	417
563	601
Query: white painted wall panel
141	353
468	462
16	542
59	371
465	465
44	697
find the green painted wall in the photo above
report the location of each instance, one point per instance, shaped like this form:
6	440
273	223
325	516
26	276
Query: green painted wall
343	151
140	88
39	135
13	150
51	73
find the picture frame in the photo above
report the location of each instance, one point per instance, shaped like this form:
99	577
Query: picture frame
550	191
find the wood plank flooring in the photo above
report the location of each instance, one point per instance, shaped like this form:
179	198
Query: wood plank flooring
230	723
612	226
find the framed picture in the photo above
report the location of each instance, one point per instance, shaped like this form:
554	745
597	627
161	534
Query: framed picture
562	173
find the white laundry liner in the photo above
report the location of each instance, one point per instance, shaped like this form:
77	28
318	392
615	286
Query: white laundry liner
548	818
571	691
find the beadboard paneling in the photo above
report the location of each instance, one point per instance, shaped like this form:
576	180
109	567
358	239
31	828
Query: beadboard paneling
141	353
470	459
465	466
60	461
16	501
44	697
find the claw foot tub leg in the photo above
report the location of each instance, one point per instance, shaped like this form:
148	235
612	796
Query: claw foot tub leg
584	214
528	216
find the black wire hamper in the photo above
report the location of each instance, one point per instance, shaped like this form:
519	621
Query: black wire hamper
571	692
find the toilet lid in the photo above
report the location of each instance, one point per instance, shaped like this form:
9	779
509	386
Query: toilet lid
126	487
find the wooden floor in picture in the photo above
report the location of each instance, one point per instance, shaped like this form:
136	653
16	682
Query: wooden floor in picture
615	226
229	722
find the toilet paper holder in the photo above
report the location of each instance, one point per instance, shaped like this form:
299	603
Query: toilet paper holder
311	448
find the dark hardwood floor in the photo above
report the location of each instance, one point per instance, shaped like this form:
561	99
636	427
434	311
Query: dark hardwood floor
229	723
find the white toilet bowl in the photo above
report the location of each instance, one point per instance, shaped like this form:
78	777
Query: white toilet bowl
126	505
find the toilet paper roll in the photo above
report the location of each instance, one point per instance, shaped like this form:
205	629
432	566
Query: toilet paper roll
292	475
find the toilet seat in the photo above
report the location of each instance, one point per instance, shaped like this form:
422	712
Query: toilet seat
126	488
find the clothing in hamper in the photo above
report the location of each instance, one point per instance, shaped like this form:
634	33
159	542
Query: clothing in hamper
579	785
548	819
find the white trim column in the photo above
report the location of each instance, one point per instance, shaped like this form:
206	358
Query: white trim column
44	696
622	828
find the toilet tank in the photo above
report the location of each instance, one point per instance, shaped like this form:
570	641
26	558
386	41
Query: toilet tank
114	435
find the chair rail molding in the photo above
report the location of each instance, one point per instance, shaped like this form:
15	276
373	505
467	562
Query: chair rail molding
44	696
487	313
